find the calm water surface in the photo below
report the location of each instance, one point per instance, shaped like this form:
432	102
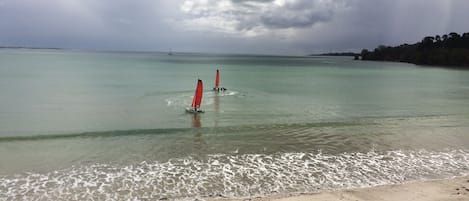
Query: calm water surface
89	125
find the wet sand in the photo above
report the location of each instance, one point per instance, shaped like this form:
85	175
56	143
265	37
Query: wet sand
456	189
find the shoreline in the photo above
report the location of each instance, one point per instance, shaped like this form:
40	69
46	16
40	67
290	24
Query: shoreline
453	189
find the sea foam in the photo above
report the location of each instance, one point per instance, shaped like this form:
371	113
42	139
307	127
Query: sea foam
235	175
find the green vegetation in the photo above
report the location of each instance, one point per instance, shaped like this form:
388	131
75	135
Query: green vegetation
450	50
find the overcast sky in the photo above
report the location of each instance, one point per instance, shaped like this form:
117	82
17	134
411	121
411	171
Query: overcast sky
292	27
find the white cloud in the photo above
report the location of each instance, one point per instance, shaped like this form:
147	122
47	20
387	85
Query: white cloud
257	17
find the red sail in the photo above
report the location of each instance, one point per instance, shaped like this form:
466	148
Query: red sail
198	95
217	79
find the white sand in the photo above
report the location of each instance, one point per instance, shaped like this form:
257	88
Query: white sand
456	189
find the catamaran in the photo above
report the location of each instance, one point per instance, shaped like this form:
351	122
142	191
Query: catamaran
217	82
197	100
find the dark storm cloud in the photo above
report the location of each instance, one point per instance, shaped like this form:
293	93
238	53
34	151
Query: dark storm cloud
327	25
242	26
255	17
299	13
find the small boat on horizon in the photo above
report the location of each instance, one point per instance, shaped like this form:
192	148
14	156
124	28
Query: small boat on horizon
217	83
197	100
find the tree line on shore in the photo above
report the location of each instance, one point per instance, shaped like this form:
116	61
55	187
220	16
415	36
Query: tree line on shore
450	49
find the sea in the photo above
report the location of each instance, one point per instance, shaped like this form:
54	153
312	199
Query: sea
85	125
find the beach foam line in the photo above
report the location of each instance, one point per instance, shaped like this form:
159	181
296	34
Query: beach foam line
235	176
454	189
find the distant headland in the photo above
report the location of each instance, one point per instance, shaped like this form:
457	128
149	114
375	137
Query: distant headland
337	54
447	50
347	54
34	48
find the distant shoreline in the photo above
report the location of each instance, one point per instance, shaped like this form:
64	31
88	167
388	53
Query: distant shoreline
202	53
431	52
351	54
174	53
32	48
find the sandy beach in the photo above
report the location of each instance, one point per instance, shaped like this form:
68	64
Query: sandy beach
456	189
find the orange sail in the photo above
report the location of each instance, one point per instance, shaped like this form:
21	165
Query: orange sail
217	80
197	100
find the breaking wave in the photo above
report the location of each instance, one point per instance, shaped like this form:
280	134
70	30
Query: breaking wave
235	175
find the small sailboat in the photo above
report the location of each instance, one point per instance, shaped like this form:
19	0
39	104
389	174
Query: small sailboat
197	100
217	82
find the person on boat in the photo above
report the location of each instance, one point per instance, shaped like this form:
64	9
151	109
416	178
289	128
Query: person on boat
219	89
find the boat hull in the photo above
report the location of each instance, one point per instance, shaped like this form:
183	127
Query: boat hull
192	111
219	89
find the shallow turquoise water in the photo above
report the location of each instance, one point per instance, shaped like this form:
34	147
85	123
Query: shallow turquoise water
70	115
